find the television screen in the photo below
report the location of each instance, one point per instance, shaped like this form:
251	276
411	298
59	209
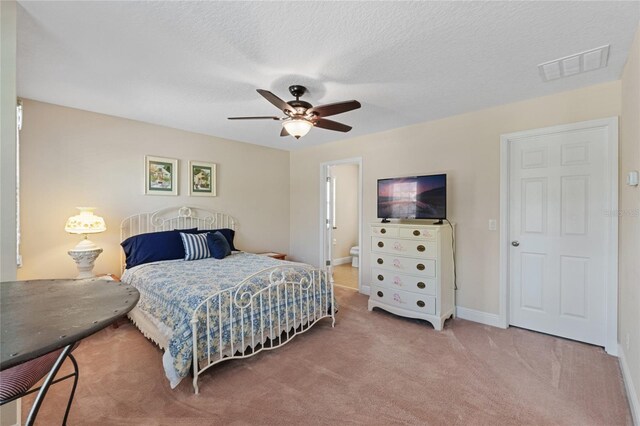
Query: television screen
415	197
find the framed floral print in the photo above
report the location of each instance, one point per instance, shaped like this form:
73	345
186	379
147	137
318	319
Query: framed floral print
202	179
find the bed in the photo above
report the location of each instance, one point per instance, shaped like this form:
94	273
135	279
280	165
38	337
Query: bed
203	312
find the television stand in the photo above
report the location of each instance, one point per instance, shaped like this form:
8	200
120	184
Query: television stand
439	222
385	220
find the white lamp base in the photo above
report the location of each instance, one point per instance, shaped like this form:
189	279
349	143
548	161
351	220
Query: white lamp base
85	245
85	258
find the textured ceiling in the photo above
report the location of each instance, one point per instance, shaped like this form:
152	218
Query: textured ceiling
189	65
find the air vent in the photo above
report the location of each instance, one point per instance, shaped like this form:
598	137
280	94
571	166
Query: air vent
588	60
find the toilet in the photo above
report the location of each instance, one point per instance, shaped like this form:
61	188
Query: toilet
355	256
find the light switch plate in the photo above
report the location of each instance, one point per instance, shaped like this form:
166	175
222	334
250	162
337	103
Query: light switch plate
492	224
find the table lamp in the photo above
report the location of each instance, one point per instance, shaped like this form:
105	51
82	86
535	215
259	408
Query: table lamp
86	252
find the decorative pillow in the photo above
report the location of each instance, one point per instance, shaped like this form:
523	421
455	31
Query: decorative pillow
152	247
188	230
195	246
228	233
218	245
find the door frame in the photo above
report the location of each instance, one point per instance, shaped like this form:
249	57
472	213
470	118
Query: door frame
324	169
611	238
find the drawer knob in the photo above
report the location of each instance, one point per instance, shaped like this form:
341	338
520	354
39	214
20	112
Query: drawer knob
380	278
421	285
420	267
380	261
416	233
421	248
380	244
380	294
420	303
383	231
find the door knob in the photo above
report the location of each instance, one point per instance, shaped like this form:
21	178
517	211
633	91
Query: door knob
515	243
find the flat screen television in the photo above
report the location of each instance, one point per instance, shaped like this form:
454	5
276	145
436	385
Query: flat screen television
413	197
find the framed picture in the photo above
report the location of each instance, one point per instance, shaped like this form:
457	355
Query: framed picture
160	176
202	179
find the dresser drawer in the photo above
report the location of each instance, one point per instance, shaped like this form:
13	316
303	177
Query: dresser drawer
384	231
418	233
405	300
405	265
422	249
394	280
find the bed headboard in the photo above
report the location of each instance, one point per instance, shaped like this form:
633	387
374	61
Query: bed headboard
174	218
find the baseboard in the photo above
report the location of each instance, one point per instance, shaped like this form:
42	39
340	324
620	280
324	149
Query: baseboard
345	287
11	413
478	316
632	396
341	261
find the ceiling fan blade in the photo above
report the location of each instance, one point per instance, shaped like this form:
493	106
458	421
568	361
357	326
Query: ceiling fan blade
254	118
331	125
284	132
333	109
279	103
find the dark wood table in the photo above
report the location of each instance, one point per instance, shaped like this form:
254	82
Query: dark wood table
41	316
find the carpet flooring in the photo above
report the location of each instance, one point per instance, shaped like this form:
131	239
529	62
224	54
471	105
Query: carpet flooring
372	368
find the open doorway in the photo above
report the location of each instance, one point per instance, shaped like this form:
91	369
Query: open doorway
341	233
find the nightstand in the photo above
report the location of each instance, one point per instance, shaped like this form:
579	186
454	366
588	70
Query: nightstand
279	256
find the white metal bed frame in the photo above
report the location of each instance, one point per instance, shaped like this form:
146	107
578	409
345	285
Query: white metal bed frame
241	297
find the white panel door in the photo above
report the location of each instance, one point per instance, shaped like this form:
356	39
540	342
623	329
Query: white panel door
557	230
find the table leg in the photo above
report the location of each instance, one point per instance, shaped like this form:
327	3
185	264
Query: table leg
73	389
47	383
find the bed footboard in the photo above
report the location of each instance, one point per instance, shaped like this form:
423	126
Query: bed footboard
265	311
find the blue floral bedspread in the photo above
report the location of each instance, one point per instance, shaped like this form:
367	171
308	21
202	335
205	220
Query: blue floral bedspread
170	291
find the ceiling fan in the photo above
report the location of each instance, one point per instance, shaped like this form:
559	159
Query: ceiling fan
301	116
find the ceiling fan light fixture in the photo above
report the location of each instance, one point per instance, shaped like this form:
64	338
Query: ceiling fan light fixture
301	116
297	127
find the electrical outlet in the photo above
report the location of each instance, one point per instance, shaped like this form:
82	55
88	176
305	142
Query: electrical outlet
335	241
493	224
627	342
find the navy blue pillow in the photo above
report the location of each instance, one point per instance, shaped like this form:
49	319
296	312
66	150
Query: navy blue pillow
153	247
218	245
229	234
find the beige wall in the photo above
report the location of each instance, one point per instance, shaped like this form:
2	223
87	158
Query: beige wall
346	234
467	148
8	141
77	158
9	413
629	222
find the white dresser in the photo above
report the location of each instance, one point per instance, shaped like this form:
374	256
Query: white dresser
412	271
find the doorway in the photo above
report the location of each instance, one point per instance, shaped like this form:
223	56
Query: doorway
341	221
559	231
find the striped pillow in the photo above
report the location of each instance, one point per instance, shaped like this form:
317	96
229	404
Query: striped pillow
195	246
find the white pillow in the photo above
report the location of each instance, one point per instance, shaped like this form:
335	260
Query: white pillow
195	246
